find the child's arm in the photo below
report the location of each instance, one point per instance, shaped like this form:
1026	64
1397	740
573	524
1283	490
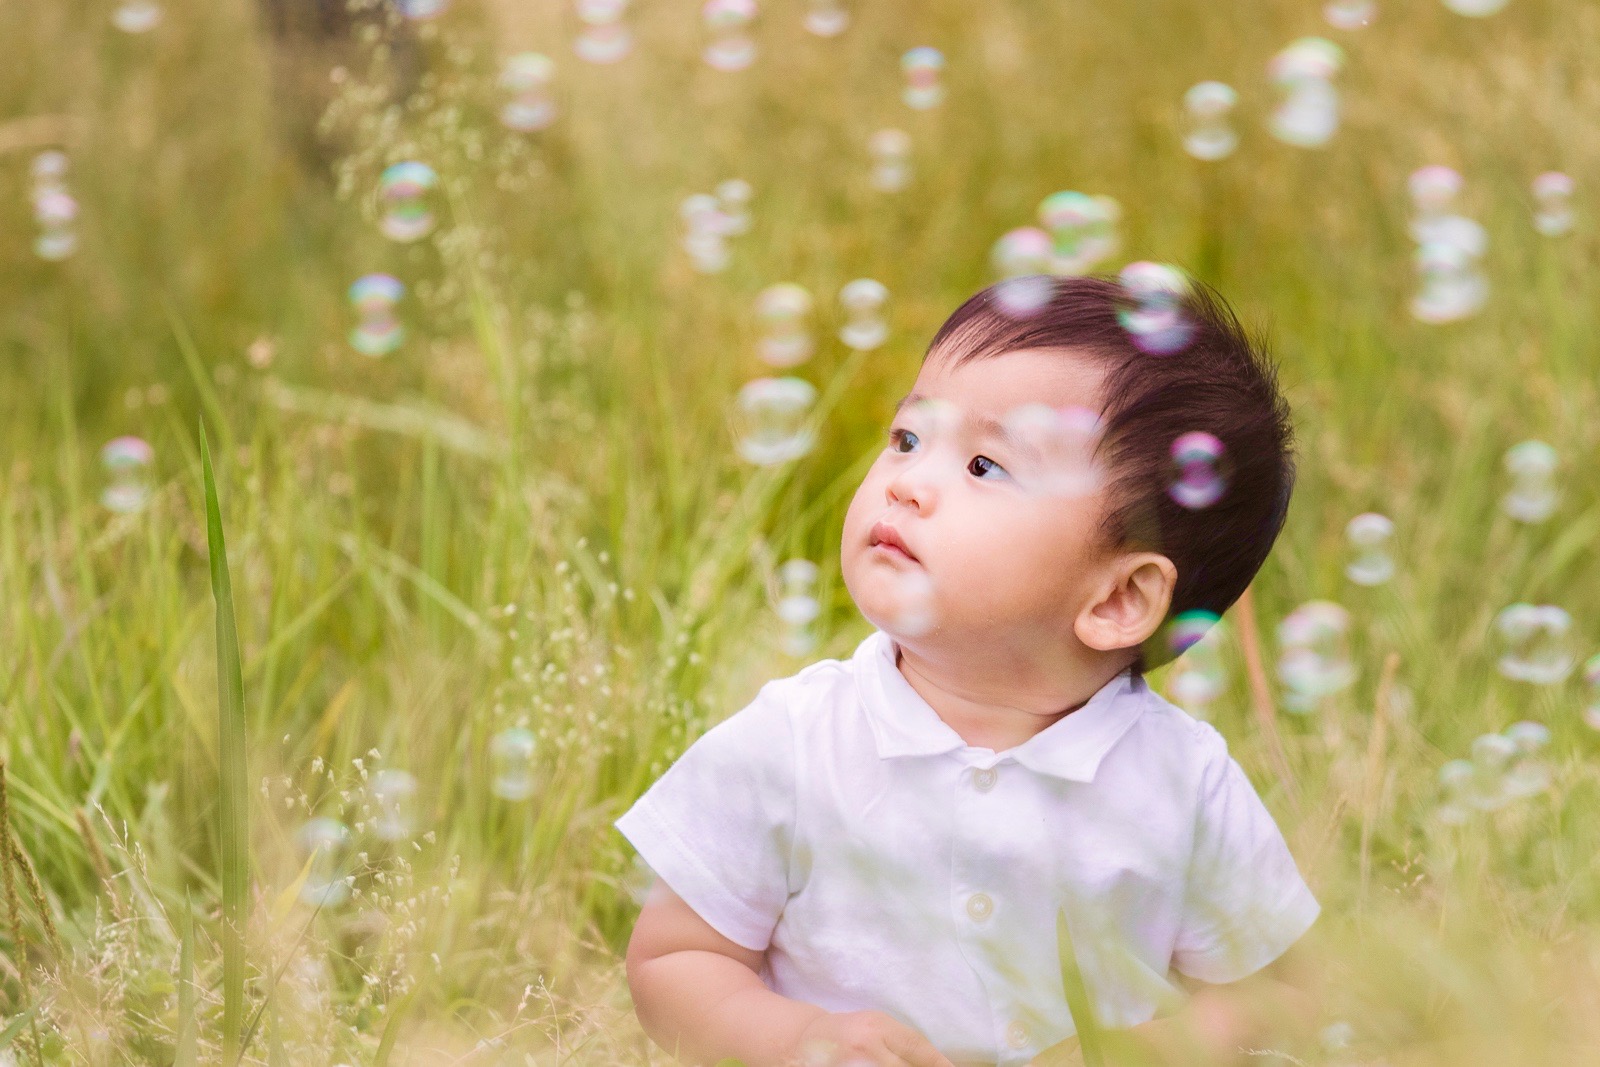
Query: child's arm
700	994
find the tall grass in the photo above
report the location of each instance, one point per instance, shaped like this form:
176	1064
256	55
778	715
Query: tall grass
531	514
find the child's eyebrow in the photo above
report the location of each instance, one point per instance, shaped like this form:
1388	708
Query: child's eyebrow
985	424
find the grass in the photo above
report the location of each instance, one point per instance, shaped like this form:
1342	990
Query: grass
531	513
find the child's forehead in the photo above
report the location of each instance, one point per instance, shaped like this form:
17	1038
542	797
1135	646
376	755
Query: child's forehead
990	386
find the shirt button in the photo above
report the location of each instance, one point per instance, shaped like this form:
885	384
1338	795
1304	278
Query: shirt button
979	906
1017	1035
983	780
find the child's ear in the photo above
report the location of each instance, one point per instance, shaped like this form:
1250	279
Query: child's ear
1130	604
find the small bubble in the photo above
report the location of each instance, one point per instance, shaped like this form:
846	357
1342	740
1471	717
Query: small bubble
403	190
865	327
784	310
1307	115
1369	536
1535	643
1207	107
374	297
1202	470
922	68
771	414
526	77
511	759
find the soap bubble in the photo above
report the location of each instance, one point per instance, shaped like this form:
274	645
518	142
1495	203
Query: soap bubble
605	37
136	16
374	297
126	462
49	171
638	880
55	212
1475	8
1349	14
511	761
1307	115
394	796
1552	197
733	200
1591	682
1207	107
1061	460
1025	250
705	232
1199	676
784	310
910	611
1369	535
771	414
865	327
1314	659
1433	190
326	843
403	190
1533	495
890	150
727	23
1156	321
1534	643
922	67
798	607
1082	228
421	10
1528	774
526	76
826	18
1200	460
1453	287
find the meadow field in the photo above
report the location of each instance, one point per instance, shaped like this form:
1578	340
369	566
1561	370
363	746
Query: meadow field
493	573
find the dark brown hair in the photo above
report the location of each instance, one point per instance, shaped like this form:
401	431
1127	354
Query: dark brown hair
1221	382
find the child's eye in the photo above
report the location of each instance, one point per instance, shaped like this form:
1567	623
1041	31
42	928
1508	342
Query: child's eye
992	465
898	437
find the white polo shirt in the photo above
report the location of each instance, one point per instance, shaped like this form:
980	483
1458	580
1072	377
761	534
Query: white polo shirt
839	824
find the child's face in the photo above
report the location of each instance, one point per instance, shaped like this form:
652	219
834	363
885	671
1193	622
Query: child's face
1006	549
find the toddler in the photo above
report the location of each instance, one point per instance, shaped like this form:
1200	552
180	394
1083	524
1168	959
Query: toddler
867	863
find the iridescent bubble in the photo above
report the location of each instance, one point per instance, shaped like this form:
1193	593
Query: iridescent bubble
1061	443
1307	114
374	297
1156	321
1552	198
705	229
1082	228
1314	653
890	150
326	844
863	301
798	607
922	68
49	171
1202	470
605	37
1453	287
126	462
511	764
1024	296
733	198
1535	643
826	18
55	212
1591	682
1533	495
421	10
771	414
1207	107
784	310
394	799
727	23
1369	535
1434	190
403	190
1200	675
1528	774
527	76
1025	250
136	16
1349	14
1475	8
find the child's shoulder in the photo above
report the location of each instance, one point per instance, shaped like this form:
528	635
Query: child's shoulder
1169	725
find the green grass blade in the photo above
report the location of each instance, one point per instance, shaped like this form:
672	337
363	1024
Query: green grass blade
188	1054
1077	995
14	1027
234	823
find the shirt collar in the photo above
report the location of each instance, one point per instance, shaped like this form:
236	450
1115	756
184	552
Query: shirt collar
903	724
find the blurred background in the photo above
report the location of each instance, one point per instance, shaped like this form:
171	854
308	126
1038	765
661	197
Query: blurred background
529	474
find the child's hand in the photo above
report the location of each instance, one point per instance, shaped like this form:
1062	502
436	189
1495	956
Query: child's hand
863	1039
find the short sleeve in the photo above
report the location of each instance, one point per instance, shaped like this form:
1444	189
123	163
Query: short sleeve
718	825
1245	902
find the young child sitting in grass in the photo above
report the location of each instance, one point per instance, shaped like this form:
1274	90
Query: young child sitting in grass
867	863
